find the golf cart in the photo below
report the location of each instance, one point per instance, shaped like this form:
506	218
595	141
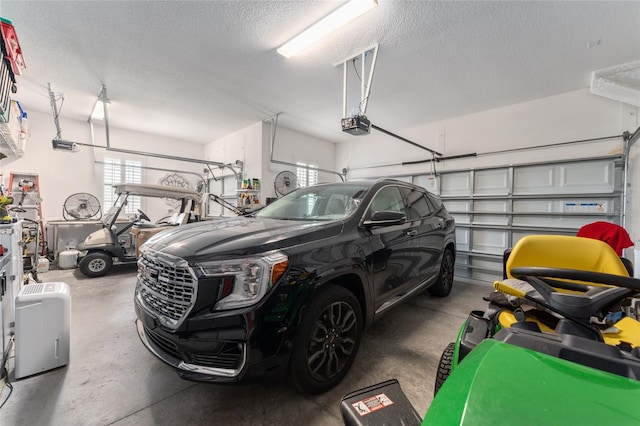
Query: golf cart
554	347
122	240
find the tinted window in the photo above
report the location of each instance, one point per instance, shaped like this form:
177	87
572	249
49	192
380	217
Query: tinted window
322	202
388	198
435	200
417	204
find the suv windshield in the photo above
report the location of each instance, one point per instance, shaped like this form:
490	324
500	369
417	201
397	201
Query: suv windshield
323	202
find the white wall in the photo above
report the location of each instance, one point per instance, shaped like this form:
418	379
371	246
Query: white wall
244	145
64	173
252	145
294	147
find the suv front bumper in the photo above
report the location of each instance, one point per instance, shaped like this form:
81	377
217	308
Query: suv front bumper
149	339
219	355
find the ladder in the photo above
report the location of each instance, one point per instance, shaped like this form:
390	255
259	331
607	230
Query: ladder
24	188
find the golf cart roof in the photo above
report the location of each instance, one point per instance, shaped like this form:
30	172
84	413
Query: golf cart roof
161	191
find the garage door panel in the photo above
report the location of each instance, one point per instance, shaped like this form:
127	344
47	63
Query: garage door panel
580	177
560	222
533	180
490	241
565	205
462	238
491	219
456	184
586	177
461	219
491	182
491	206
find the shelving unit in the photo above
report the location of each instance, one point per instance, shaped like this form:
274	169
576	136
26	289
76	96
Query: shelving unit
27	204
13	123
248	198
9	134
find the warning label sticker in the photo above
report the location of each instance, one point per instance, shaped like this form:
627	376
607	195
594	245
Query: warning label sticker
371	404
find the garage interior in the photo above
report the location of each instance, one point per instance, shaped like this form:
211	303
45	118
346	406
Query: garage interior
521	115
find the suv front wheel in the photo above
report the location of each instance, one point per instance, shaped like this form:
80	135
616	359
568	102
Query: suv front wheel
327	340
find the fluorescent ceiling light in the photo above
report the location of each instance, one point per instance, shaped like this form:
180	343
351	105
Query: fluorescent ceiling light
326	26
98	109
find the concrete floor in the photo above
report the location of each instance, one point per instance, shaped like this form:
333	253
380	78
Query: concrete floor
113	380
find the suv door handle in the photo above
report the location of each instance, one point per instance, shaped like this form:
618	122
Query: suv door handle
412	232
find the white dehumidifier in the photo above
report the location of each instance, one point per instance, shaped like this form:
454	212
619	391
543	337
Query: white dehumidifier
43	313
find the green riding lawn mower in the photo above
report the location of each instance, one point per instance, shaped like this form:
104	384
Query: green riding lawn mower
555	346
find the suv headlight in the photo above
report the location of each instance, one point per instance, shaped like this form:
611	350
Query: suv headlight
246	279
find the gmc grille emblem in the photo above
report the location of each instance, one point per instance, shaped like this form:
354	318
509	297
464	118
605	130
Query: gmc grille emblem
149	274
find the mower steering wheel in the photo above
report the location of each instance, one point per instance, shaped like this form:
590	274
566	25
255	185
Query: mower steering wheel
594	301
143	216
577	275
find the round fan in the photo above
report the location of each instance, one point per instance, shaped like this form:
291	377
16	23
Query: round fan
81	206
285	182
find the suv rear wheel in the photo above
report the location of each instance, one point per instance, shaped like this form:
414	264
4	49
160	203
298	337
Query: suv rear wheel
327	340
442	287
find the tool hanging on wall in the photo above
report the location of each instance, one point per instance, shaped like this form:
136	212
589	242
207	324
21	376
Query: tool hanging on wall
25	189
25	185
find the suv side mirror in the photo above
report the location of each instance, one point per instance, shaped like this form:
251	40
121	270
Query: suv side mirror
385	218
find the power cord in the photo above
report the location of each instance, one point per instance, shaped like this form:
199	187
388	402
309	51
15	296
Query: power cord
8	384
5	373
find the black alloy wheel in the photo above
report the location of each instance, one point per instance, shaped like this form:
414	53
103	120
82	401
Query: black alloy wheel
328	340
443	286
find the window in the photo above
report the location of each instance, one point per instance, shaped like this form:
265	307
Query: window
417	204
388	198
114	173
307	174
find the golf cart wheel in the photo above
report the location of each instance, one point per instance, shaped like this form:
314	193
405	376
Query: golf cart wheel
327	340
444	366
95	264
442	287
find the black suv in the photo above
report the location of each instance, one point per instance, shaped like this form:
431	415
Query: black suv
291	287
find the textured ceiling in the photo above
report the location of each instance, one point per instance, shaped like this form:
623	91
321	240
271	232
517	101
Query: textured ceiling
201	70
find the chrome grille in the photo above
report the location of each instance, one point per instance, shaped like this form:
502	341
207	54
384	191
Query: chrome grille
165	290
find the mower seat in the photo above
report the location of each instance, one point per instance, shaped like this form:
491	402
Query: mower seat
567	252
575	298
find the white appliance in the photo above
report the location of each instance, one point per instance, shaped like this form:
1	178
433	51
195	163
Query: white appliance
43	313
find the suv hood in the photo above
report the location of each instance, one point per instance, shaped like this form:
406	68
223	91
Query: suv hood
239	236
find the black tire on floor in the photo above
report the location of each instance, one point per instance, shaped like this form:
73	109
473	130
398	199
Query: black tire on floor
444	366
95	264
442	287
326	341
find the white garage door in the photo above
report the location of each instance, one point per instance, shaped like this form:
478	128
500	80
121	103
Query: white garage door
495	207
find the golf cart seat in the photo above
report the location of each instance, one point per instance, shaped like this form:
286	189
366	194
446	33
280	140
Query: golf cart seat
557	271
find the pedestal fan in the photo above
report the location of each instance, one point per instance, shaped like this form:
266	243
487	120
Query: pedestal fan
285	182
81	206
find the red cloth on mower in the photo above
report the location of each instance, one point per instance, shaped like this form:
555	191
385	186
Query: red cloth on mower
614	235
